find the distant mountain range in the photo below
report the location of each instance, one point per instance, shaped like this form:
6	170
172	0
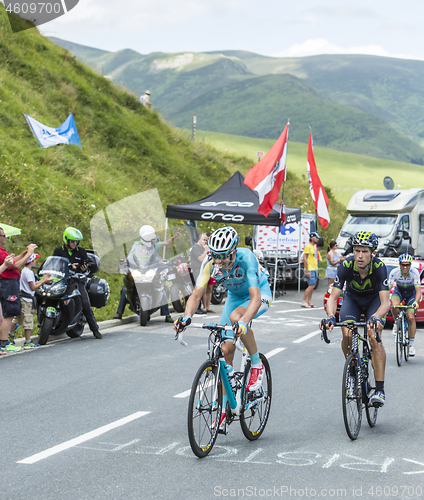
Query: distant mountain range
361	104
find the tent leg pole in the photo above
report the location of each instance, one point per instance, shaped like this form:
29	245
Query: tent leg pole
300	253
276	262
166	231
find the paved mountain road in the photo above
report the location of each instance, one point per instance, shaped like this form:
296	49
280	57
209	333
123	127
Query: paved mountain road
90	419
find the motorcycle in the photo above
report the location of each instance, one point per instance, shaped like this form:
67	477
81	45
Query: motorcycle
147	286
59	305
218	293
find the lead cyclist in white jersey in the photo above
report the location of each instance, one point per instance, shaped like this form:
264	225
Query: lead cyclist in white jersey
249	296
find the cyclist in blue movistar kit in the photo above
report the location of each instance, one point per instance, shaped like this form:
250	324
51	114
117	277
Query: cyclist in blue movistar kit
249	295
408	288
366	291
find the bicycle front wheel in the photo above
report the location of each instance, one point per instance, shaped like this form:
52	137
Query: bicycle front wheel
256	406
204	409
399	341
352	397
406	344
371	411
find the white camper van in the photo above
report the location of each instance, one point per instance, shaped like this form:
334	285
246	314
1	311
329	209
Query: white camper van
395	216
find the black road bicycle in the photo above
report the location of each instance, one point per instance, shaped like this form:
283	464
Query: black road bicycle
205	402
358	384
402	335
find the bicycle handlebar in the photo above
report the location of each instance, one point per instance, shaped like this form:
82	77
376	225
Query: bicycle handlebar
350	324
211	326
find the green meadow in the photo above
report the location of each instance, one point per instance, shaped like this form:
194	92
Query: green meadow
344	173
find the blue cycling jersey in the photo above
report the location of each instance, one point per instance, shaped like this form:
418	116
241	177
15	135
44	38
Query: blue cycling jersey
246	272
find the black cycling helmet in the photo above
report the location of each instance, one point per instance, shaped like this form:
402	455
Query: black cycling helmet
365	239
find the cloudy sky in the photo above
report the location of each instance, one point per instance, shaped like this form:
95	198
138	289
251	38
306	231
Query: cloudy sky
270	27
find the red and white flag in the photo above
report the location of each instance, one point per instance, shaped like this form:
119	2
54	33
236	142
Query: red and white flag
269	173
317	189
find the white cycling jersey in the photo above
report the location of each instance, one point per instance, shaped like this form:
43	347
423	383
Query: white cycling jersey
411	281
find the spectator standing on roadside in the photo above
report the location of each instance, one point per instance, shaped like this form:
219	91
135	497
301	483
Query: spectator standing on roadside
9	291
332	262
311	256
145	99
27	292
197	254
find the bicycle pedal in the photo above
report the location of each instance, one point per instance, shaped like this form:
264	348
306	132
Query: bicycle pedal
257	394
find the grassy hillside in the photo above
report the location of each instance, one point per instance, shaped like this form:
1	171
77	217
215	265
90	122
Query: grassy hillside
260	107
127	149
344	173
388	88
387	91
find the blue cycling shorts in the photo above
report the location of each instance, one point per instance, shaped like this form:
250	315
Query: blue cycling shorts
234	301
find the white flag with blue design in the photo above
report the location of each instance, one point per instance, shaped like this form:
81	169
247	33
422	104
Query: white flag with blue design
67	133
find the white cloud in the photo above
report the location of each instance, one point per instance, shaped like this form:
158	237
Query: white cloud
135	16
317	46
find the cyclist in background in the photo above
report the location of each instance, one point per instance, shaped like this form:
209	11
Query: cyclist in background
249	296
366	291
408	288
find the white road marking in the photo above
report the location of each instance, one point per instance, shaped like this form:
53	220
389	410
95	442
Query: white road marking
187	393
288	301
184	394
81	439
274	352
304	309
306	337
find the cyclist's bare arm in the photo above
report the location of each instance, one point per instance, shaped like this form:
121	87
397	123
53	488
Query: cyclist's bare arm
418	293
332	304
193	301
381	312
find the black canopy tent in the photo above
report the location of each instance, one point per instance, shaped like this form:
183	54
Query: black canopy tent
233	202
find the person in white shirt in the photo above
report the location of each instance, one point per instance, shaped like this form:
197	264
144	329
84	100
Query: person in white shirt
27	292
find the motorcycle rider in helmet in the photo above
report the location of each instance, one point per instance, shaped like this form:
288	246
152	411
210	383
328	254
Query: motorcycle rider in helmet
78	261
145	250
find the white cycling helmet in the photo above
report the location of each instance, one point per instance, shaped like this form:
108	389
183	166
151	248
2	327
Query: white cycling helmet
223	242
147	235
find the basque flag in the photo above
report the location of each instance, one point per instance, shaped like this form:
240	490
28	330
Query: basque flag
317	190
269	173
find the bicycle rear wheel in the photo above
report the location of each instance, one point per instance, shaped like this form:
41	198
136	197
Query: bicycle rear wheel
371	411
256	406
352	397
204	409
399	341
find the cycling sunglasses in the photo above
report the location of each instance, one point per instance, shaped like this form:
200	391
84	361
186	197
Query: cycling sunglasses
219	256
406	265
